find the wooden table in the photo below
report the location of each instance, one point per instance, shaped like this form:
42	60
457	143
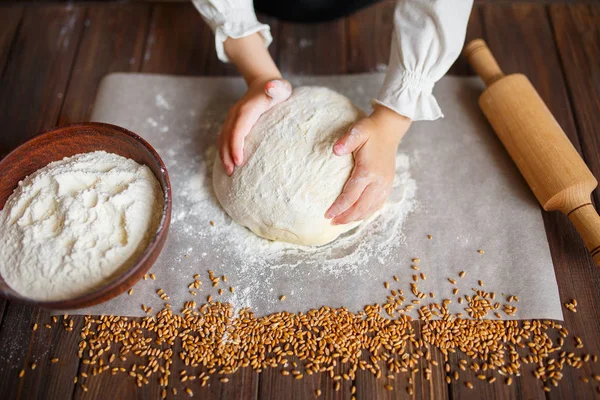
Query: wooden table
53	55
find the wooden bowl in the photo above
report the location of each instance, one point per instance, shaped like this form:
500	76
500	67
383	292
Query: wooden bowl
67	141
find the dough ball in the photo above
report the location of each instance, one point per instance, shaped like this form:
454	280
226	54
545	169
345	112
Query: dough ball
291	176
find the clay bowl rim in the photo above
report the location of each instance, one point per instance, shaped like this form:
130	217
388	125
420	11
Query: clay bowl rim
135	272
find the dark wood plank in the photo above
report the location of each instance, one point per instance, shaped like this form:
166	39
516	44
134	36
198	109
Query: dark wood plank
368	386
273	384
521	38
113	41
436	387
318	49
31	95
119	386
34	82
369	37
179	42
10	18
242	385
23	347
54	380
577	33
16	352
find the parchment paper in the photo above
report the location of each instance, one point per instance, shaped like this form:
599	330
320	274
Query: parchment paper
469	196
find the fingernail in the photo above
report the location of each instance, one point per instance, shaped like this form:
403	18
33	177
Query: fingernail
330	213
273	88
339	149
277	90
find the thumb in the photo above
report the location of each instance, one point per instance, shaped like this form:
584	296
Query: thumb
352	140
278	90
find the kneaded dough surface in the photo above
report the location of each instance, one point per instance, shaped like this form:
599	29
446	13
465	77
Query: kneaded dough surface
291	175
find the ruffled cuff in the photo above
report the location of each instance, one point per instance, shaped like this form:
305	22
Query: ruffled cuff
409	94
239	24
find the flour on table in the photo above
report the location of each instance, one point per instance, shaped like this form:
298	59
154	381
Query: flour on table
161	102
74	224
371	242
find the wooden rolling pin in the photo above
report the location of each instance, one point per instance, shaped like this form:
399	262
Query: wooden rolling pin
548	161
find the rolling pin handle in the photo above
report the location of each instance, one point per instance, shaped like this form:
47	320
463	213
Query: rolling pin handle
587	222
483	62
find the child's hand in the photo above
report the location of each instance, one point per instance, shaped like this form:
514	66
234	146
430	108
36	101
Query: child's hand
262	94
374	141
265	89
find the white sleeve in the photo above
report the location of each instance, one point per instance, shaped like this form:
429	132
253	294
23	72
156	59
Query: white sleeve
231	19
428	37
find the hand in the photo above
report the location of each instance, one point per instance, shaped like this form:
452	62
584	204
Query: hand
262	94
374	141
265	89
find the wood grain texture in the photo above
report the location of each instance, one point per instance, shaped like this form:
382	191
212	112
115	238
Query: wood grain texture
273	384
16	352
368	386
52	380
179	42
521	38
577	34
113	41
369	38
10	18
302	50
36	75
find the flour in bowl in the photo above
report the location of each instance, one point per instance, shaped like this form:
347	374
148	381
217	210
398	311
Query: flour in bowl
72	225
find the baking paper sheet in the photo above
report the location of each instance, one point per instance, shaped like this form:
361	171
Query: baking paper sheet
469	196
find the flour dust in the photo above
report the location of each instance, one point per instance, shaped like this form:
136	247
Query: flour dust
257	261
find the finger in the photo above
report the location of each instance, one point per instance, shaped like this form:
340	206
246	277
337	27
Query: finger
372	210
247	116
360	208
351	192
223	144
352	140
278	90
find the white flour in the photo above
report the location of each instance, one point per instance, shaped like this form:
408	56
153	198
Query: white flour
373	240
73	224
